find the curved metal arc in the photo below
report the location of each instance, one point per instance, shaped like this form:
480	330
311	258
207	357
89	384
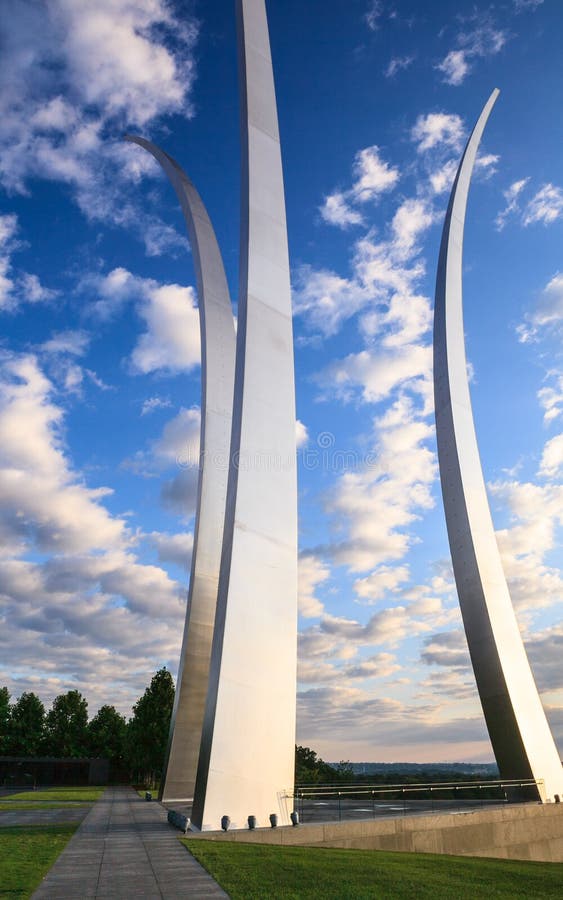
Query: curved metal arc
217	379
518	729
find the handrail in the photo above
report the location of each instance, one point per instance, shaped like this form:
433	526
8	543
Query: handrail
343	789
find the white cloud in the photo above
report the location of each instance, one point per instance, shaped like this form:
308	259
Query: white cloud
179	442
372	177
397	64
43	497
376	374
485	39
374	14
8	228
486	164
74	343
511	196
383	580
81	611
413	218
177	449
312	572
326	299
301	434
442	179
152	403
336	211
74	72
16	287
173	548
546	206
536	514
548	312
551	465
454	67
437	130
171	342
521	6
551	399
376	504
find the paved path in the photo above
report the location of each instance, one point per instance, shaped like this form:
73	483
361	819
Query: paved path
125	849
56	815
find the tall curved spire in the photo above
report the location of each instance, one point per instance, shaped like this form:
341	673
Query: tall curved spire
246	762
217	380
522	741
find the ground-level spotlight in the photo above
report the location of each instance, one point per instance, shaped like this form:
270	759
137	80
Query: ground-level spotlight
252	822
225	822
294	818
273	820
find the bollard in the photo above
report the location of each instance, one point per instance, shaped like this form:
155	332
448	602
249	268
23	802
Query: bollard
148	795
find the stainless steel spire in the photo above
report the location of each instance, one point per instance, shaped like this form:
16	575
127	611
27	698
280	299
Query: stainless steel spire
217	378
519	732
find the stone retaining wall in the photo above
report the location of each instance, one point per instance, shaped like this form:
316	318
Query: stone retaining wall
528	831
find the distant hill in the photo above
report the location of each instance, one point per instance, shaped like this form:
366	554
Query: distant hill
485	770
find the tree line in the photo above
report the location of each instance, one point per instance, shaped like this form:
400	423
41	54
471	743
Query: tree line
136	746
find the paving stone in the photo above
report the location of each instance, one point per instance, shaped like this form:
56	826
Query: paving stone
125	849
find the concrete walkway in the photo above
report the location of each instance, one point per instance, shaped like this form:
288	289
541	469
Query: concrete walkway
125	849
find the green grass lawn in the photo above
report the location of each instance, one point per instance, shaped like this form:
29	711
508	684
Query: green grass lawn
77	794
26	855
258	872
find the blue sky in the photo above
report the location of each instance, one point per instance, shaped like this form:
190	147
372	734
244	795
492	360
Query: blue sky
99	355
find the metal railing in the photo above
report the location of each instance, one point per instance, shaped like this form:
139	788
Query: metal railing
322	803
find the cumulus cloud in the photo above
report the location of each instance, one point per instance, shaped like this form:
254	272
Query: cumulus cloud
76	73
336	211
173	548
438	129
171	341
74	598
454	67
378	503
177	449
372	177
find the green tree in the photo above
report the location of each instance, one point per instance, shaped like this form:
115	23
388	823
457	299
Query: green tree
147	731
4	718
66	725
26	732
311	769
106	735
